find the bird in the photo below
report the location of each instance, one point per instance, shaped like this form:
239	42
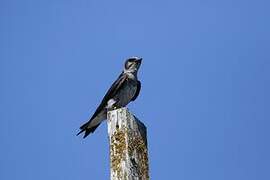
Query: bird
125	89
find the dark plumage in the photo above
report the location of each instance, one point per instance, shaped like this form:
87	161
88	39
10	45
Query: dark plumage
125	89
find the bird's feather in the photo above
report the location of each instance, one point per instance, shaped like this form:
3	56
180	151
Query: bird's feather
110	93
116	86
137	91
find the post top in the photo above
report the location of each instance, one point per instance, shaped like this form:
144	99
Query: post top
119	109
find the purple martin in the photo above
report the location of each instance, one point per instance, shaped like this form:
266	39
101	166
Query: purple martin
124	90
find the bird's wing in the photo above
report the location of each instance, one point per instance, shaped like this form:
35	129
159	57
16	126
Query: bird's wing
111	93
137	91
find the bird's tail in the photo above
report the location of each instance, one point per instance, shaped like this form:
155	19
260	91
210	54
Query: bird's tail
88	129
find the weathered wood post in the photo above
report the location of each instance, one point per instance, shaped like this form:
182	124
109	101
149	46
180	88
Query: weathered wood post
128	146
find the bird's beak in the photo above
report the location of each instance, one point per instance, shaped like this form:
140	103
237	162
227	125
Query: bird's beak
139	61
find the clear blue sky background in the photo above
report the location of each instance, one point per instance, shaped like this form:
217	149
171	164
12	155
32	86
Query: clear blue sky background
205	86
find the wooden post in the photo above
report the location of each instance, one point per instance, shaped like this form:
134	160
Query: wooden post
128	146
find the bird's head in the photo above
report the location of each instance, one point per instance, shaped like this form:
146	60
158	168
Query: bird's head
132	64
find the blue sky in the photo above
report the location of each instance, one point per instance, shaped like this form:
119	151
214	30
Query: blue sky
205	86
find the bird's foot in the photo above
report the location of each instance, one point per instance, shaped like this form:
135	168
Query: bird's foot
116	107
113	108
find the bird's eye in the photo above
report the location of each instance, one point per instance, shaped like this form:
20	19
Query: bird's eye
128	64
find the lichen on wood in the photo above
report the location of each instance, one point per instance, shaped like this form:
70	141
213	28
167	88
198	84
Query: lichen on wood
128	146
